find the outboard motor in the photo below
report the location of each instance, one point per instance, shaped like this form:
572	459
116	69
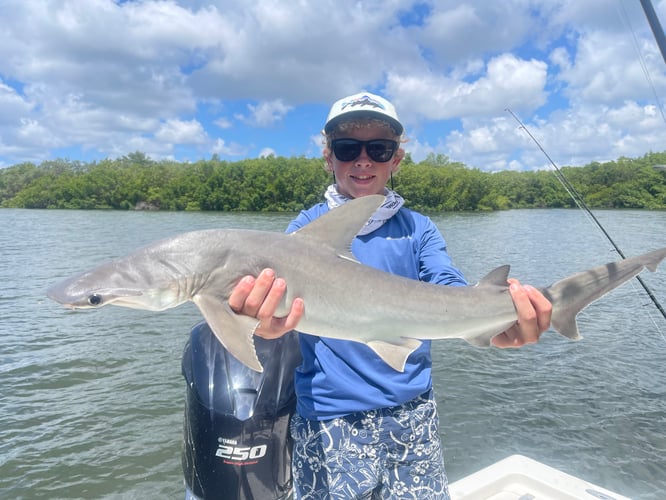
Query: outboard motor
236	437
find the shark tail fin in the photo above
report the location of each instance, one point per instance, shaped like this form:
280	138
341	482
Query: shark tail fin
573	294
653	259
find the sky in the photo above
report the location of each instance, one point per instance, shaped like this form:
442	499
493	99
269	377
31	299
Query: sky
85	80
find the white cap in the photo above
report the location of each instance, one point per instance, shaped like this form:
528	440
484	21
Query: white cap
363	104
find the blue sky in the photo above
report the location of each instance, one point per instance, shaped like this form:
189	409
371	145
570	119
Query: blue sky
93	79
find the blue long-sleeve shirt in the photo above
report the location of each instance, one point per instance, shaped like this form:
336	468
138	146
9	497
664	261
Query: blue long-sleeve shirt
339	377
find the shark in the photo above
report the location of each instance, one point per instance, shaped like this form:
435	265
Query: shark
343	298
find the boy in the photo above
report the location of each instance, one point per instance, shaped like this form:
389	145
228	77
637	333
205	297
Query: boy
362	429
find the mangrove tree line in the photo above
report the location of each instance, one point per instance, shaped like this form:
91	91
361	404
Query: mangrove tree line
290	184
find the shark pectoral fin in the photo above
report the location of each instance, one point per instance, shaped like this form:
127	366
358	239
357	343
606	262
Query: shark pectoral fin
234	331
394	354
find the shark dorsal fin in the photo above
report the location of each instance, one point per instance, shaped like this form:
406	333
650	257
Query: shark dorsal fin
339	227
497	276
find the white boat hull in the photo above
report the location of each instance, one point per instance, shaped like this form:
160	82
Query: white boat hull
521	478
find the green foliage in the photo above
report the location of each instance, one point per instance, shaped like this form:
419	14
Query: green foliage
291	184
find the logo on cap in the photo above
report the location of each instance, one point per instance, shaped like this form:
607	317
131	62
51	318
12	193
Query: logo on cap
363	101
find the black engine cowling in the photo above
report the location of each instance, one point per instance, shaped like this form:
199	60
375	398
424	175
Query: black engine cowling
236	426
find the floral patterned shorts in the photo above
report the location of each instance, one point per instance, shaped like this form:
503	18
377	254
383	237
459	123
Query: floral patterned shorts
379	454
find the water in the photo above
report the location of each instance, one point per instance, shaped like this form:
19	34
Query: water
91	403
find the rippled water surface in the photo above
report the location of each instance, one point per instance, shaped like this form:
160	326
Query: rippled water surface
91	402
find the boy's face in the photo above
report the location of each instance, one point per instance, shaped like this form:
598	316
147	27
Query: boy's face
363	176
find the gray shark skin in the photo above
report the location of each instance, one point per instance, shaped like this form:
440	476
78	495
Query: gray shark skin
343	298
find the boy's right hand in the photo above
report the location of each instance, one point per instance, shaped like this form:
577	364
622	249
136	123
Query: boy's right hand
259	298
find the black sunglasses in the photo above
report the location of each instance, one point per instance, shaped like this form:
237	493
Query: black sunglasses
379	150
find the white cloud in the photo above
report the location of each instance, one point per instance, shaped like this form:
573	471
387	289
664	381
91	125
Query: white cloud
266	152
12	105
223	123
458	31
265	113
607	69
507	82
220	147
179	131
163	76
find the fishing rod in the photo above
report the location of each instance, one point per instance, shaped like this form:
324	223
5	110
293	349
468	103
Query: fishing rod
655	26
580	201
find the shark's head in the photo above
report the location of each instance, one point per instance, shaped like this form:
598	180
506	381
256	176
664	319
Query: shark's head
78	293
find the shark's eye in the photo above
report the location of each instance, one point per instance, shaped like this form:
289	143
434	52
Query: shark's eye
94	300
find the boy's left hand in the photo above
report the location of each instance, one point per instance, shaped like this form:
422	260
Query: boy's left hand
534	312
